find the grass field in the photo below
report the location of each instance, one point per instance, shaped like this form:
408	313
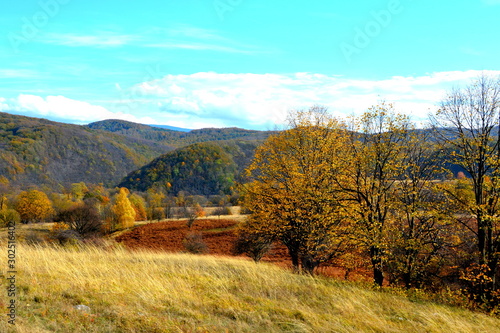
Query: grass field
158	292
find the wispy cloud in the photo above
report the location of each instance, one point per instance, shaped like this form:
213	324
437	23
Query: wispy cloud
176	37
97	40
18	73
198	47
471	51
491	2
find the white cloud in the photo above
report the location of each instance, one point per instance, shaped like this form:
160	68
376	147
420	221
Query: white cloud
63	108
261	100
258	101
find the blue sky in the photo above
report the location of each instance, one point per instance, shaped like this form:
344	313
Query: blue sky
244	63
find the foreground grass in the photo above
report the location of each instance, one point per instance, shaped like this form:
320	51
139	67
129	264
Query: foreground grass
157	292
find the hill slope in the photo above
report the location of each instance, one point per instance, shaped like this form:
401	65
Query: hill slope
42	152
158	292
202	168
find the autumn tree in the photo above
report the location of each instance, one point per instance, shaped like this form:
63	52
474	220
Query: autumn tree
468	123
7	215
33	206
139	206
420	232
377	139
154	200
82	218
292	196
123	210
78	191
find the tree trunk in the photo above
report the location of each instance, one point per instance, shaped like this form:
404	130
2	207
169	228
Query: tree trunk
376	258
308	265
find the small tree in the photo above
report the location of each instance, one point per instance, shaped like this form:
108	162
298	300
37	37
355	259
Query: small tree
254	244
194	243
82	218
123	210
34	206
8	216
139	207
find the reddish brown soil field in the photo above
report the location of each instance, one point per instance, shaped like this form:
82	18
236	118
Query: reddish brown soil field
218	235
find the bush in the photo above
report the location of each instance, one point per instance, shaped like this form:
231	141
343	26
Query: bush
254	245
68	237
194	244
83	219
223	211
8	215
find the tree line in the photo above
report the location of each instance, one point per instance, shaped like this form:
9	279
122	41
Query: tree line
375	185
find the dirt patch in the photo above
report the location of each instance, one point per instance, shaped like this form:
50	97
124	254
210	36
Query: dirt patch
218	235
169	236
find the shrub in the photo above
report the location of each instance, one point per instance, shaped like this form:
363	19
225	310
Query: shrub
8	215
194	243
223	211
83	219
68	237
255	245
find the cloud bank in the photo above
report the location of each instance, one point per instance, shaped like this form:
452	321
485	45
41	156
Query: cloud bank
254	101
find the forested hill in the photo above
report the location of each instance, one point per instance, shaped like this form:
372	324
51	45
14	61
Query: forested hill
177	138
41	152
207	168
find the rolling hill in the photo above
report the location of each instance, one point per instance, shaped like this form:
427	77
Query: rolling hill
40	152
206	168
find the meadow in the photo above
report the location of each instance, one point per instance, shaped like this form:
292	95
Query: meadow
148	291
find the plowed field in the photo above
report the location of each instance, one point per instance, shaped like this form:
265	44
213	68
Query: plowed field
218	235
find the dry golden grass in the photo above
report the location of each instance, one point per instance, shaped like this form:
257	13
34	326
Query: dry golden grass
158	292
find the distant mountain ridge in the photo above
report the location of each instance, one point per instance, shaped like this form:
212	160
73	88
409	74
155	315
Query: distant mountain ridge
172	128
177	138
45	153
40	152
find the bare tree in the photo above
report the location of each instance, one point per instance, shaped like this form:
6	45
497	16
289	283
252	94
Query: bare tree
467	124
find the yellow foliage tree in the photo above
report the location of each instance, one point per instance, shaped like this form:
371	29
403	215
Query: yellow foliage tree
293	196
123	210
376	151
139	207
33	206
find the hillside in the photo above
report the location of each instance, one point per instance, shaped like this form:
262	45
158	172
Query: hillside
177	138
158	292
203	168
41	152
